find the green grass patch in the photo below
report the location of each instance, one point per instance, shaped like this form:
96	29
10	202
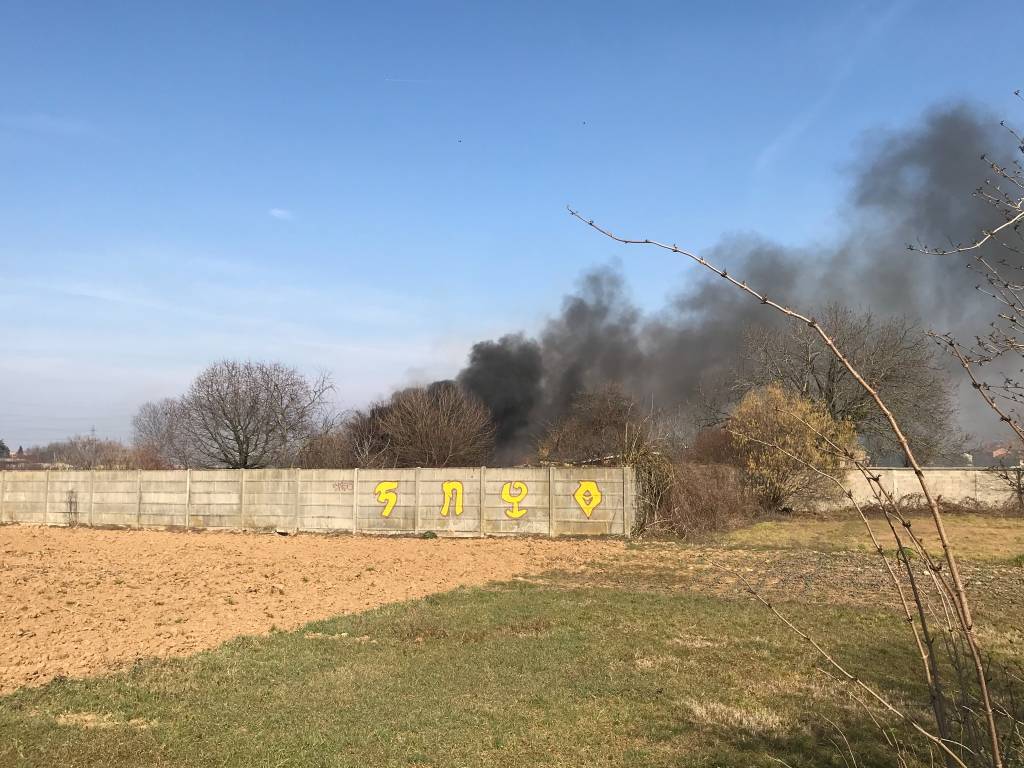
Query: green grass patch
513	675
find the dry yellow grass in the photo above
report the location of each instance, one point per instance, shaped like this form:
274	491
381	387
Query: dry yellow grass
975	536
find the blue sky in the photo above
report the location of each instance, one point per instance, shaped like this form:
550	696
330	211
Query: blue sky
368	188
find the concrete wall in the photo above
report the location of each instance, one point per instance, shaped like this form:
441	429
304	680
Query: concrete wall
955	484
452	502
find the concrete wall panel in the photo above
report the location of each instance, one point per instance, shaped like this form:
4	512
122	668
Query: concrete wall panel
449	500
269	498
25	497
956	484
325	499
516	501
68	496
577	492
215	499
115	499
386	501
164	499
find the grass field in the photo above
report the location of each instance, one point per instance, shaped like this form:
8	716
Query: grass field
653	659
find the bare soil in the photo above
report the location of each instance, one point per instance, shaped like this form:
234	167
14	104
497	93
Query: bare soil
78	602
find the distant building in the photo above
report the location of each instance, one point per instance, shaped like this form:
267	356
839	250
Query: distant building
994	454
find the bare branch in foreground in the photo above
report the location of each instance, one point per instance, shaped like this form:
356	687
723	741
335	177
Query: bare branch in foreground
846	674
962	604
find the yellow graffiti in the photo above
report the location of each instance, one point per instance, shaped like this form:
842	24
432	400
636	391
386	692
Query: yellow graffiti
452	488
513	493
386	495
588	496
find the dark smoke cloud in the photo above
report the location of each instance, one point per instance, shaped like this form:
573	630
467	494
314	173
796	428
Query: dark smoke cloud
507	374
907	187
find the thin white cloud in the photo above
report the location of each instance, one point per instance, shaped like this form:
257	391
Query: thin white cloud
43	123
407	80
804	119
282	214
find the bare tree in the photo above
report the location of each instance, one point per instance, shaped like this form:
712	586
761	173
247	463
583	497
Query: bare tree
355	439
241	415
156	431
442	425
92	452
889	353
328	449
367	443
596	428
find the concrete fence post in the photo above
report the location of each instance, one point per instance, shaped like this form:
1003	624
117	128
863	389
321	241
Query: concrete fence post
241	500
483	488
551	501
188	498
92	493
46	499
416	503
3	487
355	500
625	499
138	500
298	490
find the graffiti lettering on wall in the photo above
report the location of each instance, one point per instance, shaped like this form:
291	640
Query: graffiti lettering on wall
587	496
450	489
385	492
514	493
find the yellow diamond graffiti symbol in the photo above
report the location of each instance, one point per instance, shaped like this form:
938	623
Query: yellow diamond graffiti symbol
588	496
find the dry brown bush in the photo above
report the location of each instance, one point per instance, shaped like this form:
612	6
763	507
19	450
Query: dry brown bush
713	446
146	457
328	450
684	492
703	498
788	444
606	427
914	504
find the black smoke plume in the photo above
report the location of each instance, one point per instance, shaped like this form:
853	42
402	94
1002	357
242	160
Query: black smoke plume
907	187
507	375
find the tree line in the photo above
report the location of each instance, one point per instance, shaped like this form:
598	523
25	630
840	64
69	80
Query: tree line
785	388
